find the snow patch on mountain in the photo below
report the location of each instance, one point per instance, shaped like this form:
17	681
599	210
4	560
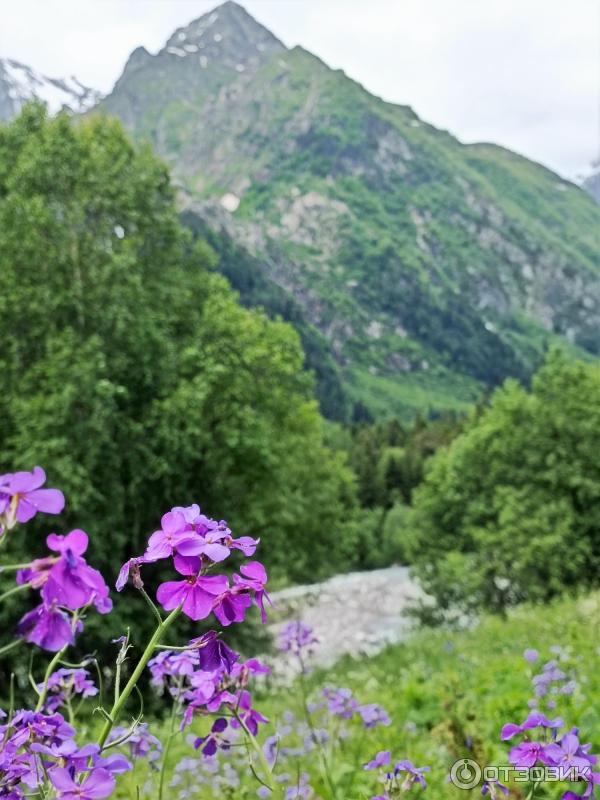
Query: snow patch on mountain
19	84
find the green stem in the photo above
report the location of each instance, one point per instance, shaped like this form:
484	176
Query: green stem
13	567
120	701
532	792
151	604
325	770
14	590
356	750
163	767
8	647
49	671
70	712
268	774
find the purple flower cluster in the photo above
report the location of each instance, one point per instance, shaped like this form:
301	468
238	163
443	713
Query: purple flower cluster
38	752
217	776
399	779
36	747
64	684
542	745
552	680
208	678
293	740
196	543
67	584
342	703
140	742
297	638
21	498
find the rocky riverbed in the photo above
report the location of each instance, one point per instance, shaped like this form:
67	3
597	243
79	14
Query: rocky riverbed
359	613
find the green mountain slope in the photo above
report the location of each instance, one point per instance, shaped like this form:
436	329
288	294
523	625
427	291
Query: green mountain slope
430	268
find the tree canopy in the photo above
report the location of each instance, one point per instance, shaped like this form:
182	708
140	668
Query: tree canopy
510	510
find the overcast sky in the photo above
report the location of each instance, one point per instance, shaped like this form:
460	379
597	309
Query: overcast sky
522	73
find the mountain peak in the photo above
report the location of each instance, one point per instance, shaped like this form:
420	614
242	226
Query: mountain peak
229	35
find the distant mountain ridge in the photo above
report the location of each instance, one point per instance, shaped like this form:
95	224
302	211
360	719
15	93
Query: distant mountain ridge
20	83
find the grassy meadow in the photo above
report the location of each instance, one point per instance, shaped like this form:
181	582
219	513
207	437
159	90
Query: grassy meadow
447	693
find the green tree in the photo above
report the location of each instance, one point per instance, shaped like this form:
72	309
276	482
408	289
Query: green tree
131	373
510	511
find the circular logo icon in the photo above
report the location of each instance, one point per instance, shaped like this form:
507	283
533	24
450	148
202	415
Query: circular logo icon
465	773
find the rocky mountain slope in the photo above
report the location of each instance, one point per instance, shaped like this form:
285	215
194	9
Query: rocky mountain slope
429	268
19	83
591	184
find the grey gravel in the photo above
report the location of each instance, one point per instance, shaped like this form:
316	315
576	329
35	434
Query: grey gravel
359	613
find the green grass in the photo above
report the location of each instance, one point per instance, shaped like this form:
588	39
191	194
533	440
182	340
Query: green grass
448	695
409	392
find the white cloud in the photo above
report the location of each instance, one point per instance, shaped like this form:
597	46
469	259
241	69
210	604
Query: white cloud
522	73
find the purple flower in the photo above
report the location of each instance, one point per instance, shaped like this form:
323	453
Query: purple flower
190	513
164	542
208	745
205	694
49	627
568	753
531	656
209	545
413	774
36	573
115	764
65	683
527	754
373	715
253	666
254	578
568	688
213	653
98	784
382	759
296	637
189	533
169	664
21	497
534	720
250	716
141	743
32	738
550	673
131	569
341	702
592	780
71	582
492	786
36	726
302	790
245	544
231	606
196	594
